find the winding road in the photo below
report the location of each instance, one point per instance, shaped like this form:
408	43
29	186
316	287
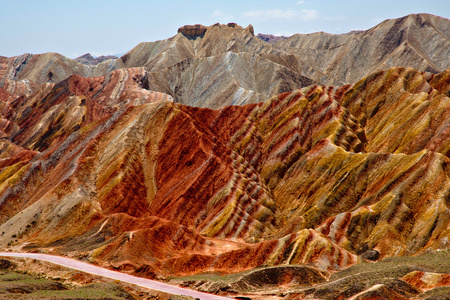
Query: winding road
95	270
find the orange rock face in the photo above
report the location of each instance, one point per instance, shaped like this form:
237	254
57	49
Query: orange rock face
102	169
427	280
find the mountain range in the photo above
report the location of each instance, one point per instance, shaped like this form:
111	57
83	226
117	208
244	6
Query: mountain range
222	65
217	152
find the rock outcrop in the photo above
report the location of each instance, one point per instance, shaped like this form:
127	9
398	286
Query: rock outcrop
427	280
193	31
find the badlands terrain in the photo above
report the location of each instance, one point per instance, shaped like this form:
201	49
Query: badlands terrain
308	167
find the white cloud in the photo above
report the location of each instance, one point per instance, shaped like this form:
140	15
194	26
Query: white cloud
220	15
284	33
300	2
303	14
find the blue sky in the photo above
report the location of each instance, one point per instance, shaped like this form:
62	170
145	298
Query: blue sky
73	28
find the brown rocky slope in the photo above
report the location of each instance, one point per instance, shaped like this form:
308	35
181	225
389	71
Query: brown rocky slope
420	41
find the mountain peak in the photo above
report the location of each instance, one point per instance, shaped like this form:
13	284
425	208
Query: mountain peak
235	26
198	30
85	56
420	20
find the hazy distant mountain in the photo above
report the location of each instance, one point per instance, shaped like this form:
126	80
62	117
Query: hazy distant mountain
270	38
88	59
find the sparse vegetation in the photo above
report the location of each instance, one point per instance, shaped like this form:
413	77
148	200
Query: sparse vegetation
34	287
94	291
439	293
17	284
395	267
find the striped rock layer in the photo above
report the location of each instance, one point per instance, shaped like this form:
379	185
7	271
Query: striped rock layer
101	169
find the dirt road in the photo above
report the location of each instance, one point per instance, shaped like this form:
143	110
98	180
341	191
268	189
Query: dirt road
95	270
